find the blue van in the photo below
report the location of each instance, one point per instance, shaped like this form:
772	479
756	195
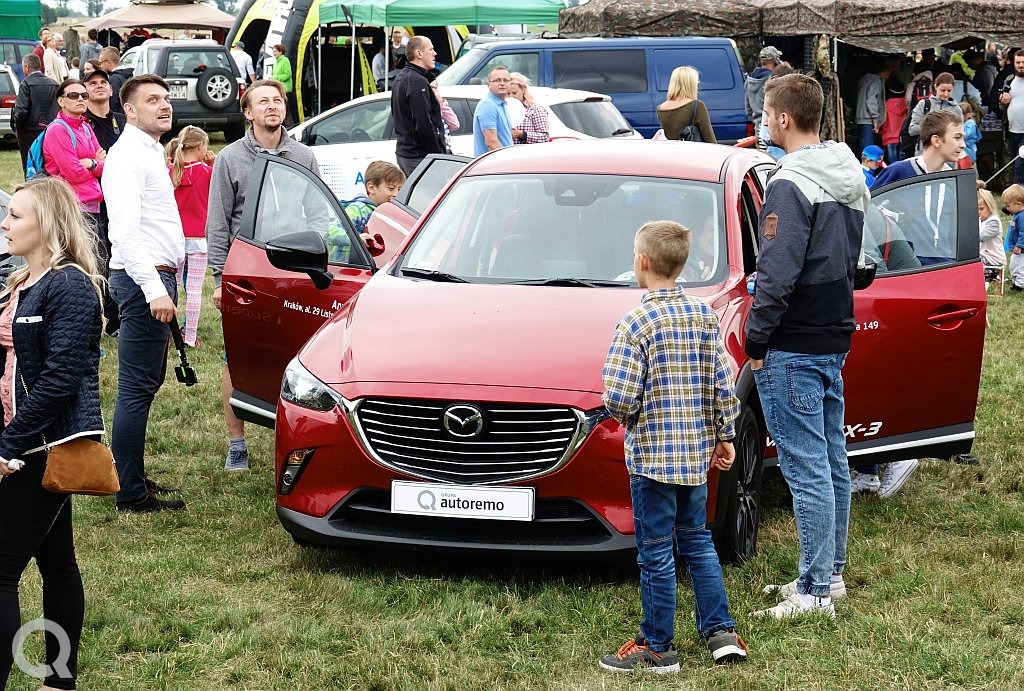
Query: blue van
634	71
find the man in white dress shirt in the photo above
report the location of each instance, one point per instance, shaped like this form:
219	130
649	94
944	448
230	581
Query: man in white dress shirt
147	246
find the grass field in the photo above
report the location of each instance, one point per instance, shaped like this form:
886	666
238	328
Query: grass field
219	597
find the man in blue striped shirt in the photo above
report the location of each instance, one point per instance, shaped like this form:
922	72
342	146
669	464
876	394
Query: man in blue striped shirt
668	382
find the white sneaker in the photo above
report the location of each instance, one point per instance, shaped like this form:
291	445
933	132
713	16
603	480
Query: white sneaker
894	476
794	606
863	482
836	589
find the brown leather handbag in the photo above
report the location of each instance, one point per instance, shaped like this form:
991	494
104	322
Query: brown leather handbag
79	466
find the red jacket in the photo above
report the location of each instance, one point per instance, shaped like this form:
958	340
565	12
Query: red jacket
193	195
895	114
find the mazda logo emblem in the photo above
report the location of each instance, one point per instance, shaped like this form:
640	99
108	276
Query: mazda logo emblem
463	421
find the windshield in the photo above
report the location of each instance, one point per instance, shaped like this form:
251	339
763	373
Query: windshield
461	68
532	228
597	118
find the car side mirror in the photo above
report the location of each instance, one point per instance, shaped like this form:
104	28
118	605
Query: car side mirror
863	277
302	252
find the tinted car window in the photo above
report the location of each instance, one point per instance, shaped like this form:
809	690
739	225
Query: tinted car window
596	118
6	85
709	63
463	109
914	226
524	63
603	71
182	63
289	201
429	185
366	122
510	228
10	54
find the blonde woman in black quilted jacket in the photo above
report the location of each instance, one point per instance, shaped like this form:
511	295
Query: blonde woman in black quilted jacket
50	324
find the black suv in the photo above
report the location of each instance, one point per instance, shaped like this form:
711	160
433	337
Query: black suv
203	79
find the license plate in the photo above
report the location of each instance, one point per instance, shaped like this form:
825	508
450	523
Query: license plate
460	501
179	92
5	113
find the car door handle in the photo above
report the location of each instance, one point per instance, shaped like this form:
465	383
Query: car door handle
242	293
954	316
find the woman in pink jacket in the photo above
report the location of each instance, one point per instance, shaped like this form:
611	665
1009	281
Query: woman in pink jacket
70	149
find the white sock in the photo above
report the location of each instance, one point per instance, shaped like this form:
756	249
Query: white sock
836	578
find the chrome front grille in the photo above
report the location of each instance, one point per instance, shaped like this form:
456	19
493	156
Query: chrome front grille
513	442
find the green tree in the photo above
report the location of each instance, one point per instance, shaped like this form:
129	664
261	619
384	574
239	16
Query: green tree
47	14
226	6
94	8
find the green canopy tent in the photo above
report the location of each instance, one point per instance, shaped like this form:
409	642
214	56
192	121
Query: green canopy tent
20	18
440	12
437	13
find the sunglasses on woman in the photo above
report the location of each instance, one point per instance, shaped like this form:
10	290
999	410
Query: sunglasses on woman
76	95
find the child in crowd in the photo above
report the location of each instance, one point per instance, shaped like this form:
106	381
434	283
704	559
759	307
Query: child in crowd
382	181
1013	199
895	114
972	133
870	161
191	172
667	381
990	233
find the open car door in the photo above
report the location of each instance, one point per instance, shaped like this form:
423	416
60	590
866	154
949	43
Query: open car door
269	313
395	219
914	369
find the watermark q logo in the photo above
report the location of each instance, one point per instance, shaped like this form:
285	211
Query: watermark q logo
427	500
60	665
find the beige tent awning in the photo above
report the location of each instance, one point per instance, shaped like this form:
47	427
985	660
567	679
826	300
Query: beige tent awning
158	15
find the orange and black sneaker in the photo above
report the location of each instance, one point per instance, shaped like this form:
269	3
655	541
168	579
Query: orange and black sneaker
636	655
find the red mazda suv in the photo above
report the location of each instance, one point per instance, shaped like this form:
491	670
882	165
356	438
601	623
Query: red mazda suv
447	394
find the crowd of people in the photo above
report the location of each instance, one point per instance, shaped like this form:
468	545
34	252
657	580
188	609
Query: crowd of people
162	216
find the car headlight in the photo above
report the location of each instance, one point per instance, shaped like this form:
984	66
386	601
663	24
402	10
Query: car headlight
300	387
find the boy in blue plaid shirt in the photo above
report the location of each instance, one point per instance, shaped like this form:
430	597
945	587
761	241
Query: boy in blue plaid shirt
668	382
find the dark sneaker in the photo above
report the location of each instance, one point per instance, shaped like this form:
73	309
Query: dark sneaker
726	647
149	504
160	489
633	655
238	459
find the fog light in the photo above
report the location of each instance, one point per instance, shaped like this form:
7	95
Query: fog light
294	464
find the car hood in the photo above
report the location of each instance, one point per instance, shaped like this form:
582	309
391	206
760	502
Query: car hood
401	330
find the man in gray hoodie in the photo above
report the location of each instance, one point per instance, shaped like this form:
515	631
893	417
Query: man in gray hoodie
263	104
799	330
769	58
871	104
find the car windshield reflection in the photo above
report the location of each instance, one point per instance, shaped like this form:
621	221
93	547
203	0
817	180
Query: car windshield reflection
566	230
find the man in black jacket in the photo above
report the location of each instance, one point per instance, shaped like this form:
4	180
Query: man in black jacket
35	107
109	60
417	114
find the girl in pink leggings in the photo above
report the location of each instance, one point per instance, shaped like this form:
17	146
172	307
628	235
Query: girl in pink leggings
190	171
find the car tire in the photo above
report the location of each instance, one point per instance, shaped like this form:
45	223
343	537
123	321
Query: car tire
217	88
736	534
234	132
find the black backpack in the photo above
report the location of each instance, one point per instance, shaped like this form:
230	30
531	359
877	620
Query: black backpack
908	142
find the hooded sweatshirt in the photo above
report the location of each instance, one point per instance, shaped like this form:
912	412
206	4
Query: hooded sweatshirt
753	94
811	224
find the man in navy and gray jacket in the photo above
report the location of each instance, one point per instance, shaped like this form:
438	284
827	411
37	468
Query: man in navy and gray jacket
417	113
799	330
35	107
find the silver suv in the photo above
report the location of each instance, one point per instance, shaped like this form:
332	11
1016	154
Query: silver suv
203	79
8	94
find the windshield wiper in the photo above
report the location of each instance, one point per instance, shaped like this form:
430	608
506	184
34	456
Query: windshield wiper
625	130
431	275
585	283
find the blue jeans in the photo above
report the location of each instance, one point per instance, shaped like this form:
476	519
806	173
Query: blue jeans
1013	144
867	137
666	518
802	398
141	366
893	153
